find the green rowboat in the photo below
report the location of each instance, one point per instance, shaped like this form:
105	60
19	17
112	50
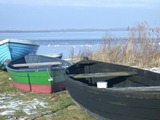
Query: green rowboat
38	73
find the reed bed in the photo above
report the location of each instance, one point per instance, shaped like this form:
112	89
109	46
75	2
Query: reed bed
141	49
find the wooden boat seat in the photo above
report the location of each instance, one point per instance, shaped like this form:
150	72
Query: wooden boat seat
101	75
37	64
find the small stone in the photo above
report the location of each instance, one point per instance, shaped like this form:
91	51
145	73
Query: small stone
73	107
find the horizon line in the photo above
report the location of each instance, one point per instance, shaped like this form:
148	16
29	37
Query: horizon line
78	30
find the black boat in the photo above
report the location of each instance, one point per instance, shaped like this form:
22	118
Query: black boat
126	93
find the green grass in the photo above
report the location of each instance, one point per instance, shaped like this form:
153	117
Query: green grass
58	106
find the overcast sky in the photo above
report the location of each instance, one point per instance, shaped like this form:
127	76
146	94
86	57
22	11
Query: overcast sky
63	14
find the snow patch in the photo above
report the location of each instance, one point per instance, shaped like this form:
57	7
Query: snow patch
9	104
154	69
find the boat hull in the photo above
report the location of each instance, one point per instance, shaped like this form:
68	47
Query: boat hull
44	79
115	103
11	49
109	106
41	88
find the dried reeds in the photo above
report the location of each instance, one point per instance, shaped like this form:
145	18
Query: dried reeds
140	49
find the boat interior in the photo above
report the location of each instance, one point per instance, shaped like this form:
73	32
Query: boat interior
35	62
91	72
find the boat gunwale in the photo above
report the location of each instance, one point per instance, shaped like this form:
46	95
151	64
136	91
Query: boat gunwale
27	42
34	69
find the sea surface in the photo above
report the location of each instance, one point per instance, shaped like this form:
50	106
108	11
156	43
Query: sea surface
68	44
61	42
67	47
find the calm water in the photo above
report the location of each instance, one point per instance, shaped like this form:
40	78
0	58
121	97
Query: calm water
67	46
61	42
65	43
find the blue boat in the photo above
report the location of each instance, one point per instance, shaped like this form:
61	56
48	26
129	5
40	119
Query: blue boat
11	49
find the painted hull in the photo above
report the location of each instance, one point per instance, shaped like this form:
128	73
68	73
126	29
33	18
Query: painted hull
125	98
11	49
46	79
41	88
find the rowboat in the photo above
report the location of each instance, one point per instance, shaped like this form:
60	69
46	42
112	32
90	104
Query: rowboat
11	49
37	73
114	92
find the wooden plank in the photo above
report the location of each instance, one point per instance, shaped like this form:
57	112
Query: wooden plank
37	64
99	75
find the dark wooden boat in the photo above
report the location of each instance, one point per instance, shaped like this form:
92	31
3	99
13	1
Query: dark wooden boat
129	93
37	73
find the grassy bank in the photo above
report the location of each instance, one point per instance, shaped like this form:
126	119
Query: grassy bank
141	48
16	104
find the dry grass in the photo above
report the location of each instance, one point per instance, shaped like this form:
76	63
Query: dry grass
140	49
